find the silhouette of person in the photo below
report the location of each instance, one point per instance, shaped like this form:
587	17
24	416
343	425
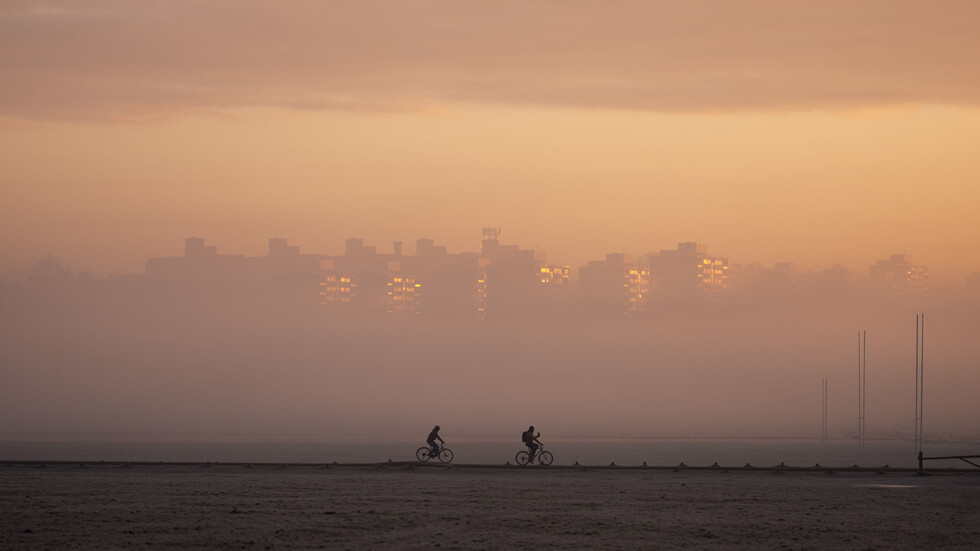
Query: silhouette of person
431	441
531	441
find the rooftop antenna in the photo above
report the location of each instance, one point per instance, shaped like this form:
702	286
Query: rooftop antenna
491	233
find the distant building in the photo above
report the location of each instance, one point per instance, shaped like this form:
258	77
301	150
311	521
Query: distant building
481	291
431	283
287	278
899	278
512	286
201	265
194	247
427	247
450	283
616	285
336	290
637	289
500	282
404	296
357	281
280	248
688	274
284	280
554	276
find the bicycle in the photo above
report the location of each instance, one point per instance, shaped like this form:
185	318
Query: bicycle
524	457
424	454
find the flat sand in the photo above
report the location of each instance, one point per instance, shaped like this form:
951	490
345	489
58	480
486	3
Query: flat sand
401	507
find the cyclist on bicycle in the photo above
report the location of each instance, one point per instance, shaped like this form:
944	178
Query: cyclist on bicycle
431	441
531	441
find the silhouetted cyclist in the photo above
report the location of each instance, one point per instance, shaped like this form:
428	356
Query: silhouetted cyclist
431	441
531	441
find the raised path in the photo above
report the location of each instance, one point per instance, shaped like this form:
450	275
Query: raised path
416	465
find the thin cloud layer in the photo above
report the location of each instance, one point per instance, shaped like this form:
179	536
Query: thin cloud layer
118	59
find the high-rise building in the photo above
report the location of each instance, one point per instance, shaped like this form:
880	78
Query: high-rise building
201	264
512	287
449	281
361	275
554	276
899	278
404	296
615	285
637	289
688	274
336	290
713	275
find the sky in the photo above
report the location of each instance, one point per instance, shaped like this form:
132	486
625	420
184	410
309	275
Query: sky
817	133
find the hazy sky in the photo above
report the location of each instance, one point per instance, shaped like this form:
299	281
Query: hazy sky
815	132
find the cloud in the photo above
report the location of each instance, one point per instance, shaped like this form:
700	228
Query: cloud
118	59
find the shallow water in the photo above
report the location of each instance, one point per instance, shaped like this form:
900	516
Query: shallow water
474	450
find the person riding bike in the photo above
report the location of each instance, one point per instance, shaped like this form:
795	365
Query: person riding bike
531	441
431	441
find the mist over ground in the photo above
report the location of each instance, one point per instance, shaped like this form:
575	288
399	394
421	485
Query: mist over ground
78	358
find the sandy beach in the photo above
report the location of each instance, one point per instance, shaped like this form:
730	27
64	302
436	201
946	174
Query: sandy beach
408	507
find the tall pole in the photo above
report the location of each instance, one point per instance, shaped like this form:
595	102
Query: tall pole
916	426
922	380
862	384
824	409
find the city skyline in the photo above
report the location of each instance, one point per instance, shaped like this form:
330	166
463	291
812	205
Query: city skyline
398	247
500	281
17	262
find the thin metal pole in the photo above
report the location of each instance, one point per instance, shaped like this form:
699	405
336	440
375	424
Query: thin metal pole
824	409
916	426
864	391
922	381
859	388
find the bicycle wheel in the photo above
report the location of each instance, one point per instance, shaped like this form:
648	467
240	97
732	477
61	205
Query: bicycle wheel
545	458
446	455
422	454
522	458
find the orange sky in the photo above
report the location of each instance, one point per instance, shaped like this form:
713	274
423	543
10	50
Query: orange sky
772	131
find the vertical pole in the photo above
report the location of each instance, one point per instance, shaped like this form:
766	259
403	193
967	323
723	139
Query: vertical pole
922	381
864	389
825	409
859	389
916	426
